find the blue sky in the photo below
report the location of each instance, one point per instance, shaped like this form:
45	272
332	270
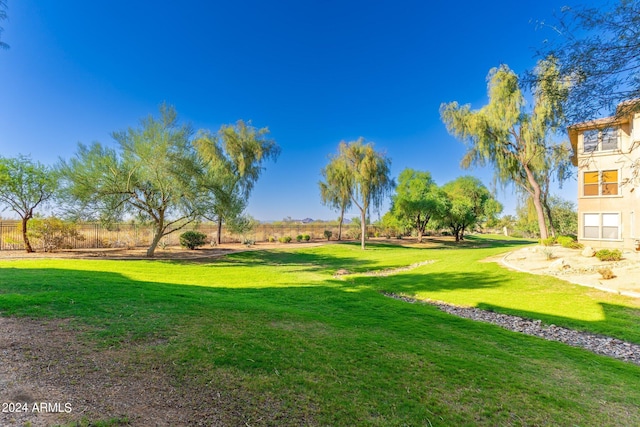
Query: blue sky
315	72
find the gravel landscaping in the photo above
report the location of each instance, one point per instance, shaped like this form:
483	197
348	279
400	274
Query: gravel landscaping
606	346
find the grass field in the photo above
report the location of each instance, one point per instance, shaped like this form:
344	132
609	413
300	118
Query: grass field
295	345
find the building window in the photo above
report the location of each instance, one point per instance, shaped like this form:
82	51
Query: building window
600	140
603	183
604	226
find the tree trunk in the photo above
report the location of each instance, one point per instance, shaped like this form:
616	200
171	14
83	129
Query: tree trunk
363	227
536	197
156	237
340	224
219	234
547	209
25	238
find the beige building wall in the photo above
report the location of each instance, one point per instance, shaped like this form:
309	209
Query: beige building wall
608	182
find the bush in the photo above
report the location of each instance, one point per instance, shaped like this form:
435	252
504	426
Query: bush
549	241
606	273
53	233
548	252
299	238
306	237
192	239
569	242
271	239
609	255
284	239
328	234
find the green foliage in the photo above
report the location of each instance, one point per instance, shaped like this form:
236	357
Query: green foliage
328	234
365	173
306	237
418	200
299	238
24	186
233	160
284	239
52	233
564	215
242	224
598	53
192	239
271	239
153	174
549	241
468	205
609	255
569	242
514	141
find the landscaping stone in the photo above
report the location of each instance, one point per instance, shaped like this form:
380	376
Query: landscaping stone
559	264
588	252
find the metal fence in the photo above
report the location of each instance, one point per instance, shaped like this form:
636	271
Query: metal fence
93	235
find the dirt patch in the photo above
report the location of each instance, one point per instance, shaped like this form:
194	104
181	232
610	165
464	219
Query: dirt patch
168	253
50	376
570	265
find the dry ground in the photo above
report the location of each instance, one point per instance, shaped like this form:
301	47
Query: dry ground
579	269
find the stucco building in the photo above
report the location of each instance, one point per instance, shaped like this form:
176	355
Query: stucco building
607	154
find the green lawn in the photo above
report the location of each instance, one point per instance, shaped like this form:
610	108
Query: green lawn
296	346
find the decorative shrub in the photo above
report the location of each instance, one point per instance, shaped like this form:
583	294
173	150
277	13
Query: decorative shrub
548	252
549	241
609	255
284	239
271	239
606	273
306	237
192	239
299	238
248	242
328	234
569	242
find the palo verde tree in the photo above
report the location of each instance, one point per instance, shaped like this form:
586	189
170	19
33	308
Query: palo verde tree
234	159
25	185
370	177
418	200
153	173
335	188
516	142
469	204
598	50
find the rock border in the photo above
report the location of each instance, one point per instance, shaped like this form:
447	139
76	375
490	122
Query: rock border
599	344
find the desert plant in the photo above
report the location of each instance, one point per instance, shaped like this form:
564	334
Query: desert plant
284	239
192	239
53	233
248	242
271	239
328	234
549	241
299	238
606	273
548	252
609	255
569	242
306	237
